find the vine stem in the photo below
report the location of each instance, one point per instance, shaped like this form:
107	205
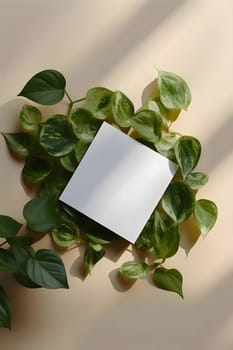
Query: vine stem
71	102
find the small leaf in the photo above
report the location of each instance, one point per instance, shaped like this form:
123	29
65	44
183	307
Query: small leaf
69	162
5	310
54	185
93	253
155	105
174	93
41	213
56	136
99	102
84	125
134	270
36	169
148	124
205	213
7	261
47	269
66	234
187	151
122	109
165	145
178	201
196	180
8	226
18	143
46	87
30	117
144	241
80	149
96	240
168	279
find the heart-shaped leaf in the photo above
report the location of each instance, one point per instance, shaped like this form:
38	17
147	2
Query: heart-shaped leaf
196	180
99	102
36	169
93	253
30	117
46	87
168	279
84	125
18	143
8	226
205	213
148	125
66	234
5	310
56	136
187	151
178	201
7	262
47	270
174	93
122	109
134	270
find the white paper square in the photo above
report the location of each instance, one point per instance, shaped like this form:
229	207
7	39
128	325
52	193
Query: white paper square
119	182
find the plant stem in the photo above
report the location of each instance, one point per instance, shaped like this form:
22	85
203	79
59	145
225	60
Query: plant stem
79	100
68	96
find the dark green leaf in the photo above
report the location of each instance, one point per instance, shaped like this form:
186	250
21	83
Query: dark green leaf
168	279
5	310
7	261
148	125
165	145
93	253
30	117
174	93
187	151
54	185
41	213
80	149
84	125
56	136
69	162
96	240
66	234
178	201
18	143
8	226
36	169
122	109
25	281
22	252
196	180
134	270
46	87
144	241
99	102
47	269
205	212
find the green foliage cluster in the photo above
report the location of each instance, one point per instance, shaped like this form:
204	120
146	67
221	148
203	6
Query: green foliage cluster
52	149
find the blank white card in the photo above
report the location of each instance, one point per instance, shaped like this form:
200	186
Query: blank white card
119	182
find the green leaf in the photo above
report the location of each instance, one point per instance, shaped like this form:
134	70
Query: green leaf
155	105
178	201
96	240
122	109
46	87
187	151
134	270
69	162
30	117
47	269
41	213
93	253
8	226
54	184
165	145
7	261
36	169
84	125
144	241
56	136
205	213
174	93
148	125
166	236
196	180
66	234
18	143
99	102
168	279
5	310
25	281
80	149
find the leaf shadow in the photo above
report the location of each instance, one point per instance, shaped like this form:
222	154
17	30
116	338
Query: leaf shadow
77	268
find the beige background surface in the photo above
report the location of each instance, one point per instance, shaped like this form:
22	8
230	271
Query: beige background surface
119	44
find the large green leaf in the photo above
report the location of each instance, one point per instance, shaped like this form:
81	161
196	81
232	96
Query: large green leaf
134	270
56	136
46	87
99	102
148	125
168	279
187	151
30	117
41	213
196	180
7	261
93	253
36	169
8	226
122	109
178	201
174	93
5	310
205	213
47	269
84	125
18	143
